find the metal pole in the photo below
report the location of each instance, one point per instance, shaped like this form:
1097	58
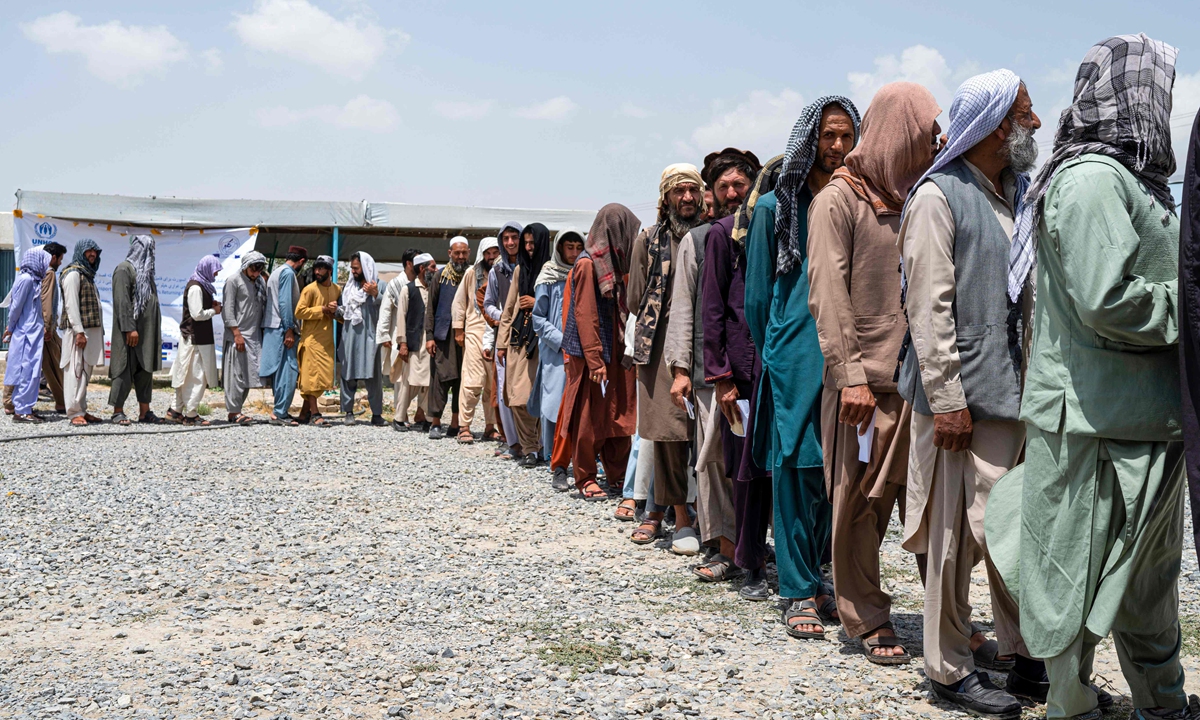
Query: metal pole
336	246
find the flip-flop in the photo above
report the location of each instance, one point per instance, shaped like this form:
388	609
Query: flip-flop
590	497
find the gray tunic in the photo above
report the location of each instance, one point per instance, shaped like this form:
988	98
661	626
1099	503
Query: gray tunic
242	309
148	325
356	351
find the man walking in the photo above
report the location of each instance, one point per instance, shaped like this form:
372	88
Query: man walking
137	352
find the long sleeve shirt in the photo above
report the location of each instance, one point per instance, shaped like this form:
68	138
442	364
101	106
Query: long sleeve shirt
854	288
680	349
728	350
927	246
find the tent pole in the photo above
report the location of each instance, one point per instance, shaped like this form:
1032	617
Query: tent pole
336	246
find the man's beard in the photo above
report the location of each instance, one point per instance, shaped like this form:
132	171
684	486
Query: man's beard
487	264
1020	148
680	225
321	277
829	164
459	267
360	279
724	211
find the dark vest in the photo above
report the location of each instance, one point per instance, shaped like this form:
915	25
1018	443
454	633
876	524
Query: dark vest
605	308
414	319
199	332
987	325
443	314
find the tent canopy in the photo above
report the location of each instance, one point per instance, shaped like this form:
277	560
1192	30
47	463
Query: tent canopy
385	230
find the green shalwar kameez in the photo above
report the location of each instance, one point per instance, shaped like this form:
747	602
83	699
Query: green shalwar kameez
786	425
1088	533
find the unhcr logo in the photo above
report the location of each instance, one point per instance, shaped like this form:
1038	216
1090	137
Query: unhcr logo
227	245
45	232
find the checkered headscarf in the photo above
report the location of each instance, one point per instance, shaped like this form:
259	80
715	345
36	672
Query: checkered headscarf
797	161
1122	109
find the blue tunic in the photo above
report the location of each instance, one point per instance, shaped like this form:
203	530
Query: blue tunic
24	370
547	323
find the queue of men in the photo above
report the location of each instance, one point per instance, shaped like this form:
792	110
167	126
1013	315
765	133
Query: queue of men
887	316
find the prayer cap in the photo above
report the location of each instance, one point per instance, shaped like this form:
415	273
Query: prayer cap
422	259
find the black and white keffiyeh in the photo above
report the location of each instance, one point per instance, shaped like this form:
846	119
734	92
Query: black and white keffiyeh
798	160
1122	109
141	256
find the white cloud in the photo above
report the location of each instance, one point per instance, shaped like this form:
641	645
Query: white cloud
558	108
763	120
299	30
212	61
360	113
919	64
633	111
114	52
464	110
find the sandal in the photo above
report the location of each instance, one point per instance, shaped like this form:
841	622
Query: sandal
641	537
806	612
318	419
988	656
465	437
626	513
243	420
118	418
285	421
91	419
30	418
869	644
196	421
720	568
827	610
151	419
81	422
493	436
592	492
174	416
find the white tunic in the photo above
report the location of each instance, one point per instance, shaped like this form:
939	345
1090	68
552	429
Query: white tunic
195	362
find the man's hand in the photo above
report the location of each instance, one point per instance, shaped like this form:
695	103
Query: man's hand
501	353
681	388
80	340
727	397
601	375
527	302
487	355
460	337
402	351
8	334
131	338
431	346
239	342
371	289
289	339
858	405
952	431
216	307
49	334
387	344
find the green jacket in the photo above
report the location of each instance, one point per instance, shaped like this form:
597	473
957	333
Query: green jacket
1104	361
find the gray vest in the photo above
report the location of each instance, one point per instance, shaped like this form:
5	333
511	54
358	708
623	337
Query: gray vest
990	357
414	319
699	236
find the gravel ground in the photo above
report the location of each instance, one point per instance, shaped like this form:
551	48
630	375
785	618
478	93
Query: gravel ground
271	572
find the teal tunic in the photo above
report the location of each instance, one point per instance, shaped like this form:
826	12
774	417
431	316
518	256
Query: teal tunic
1088	532
786	430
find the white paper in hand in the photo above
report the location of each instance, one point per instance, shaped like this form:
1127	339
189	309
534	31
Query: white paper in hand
691	409
603	388
743	410
865	440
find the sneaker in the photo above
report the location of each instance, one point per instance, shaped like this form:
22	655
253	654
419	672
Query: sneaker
399	426
378	421
977	695
754	587
349	419
530	461
1191	712
437	432
561	481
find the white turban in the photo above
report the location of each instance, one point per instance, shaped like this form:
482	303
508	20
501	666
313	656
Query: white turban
484	245
422	259
458	239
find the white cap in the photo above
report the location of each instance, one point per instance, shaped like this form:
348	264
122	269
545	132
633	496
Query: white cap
456	240
422	259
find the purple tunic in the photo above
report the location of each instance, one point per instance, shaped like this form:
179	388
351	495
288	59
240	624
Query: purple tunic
24	370
729	352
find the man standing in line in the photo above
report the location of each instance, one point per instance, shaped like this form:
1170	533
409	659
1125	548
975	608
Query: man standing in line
245	296
195	365
962	376
470	333
52	374
358	355
24	332
786	420
137	353
729	173
278	364
384	336
439	342
402	331
83	326
1089	531
498	281
854	297
651	276
316	310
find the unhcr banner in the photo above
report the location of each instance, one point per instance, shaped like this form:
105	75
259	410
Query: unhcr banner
176	255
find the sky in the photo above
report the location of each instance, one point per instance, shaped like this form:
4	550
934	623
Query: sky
516	104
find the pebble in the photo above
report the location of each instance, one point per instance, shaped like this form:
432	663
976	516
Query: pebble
384	574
